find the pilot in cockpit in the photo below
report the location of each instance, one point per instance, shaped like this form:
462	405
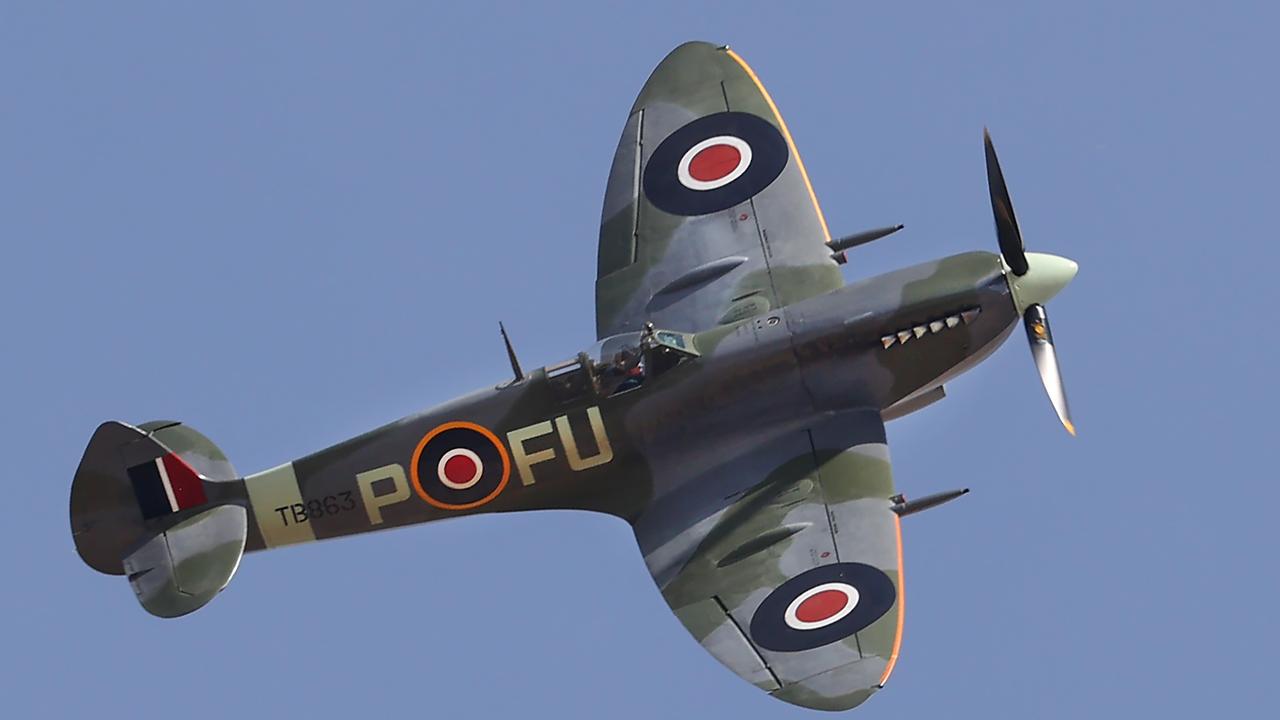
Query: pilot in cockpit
626	372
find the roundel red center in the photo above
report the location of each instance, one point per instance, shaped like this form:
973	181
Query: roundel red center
460	469
713	163
822	606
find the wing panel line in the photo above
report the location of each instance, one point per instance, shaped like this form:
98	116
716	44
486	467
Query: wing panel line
635	185
791	143
720	604
831	522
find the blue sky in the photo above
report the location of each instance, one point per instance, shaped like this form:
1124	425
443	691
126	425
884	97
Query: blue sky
286	223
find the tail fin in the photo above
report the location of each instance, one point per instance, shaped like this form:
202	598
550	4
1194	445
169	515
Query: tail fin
140	507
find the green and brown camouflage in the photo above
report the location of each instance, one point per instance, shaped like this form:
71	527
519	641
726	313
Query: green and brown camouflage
732	411
780	231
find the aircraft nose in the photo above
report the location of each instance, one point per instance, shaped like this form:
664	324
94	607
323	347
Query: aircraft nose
1046	276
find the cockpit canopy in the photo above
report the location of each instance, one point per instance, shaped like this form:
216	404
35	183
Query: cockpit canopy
621	363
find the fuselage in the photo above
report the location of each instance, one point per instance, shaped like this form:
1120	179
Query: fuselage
566	437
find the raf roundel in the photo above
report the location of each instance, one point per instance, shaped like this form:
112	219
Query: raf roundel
714	163
459	465
821	606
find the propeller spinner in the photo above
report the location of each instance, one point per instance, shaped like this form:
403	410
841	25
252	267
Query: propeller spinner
1034	278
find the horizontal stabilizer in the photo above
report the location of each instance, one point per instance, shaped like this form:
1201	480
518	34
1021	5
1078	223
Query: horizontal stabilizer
184	567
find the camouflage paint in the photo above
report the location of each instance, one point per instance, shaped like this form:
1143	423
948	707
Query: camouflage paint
642	248
740	468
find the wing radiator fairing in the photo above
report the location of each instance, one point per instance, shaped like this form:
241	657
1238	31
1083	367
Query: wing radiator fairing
140	506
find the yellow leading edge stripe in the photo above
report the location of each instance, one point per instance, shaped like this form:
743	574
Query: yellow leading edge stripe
804	174
782	125
902	608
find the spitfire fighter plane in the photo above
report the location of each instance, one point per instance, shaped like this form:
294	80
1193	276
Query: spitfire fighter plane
732	409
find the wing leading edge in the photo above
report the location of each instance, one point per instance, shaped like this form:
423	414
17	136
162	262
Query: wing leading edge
795	585
709	216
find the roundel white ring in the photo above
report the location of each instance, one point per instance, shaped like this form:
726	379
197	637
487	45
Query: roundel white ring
796	623
456	452
689	181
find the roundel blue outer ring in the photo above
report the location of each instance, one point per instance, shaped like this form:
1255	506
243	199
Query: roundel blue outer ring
769	154
876	595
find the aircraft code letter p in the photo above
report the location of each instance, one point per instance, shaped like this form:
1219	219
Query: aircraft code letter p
373	502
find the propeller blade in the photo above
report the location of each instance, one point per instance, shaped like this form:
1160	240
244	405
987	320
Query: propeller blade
1036	322
1007	233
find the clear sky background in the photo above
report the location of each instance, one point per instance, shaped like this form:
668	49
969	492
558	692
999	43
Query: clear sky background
286	223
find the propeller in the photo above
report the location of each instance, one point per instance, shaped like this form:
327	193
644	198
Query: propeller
1007	234
1036	278
1036	321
